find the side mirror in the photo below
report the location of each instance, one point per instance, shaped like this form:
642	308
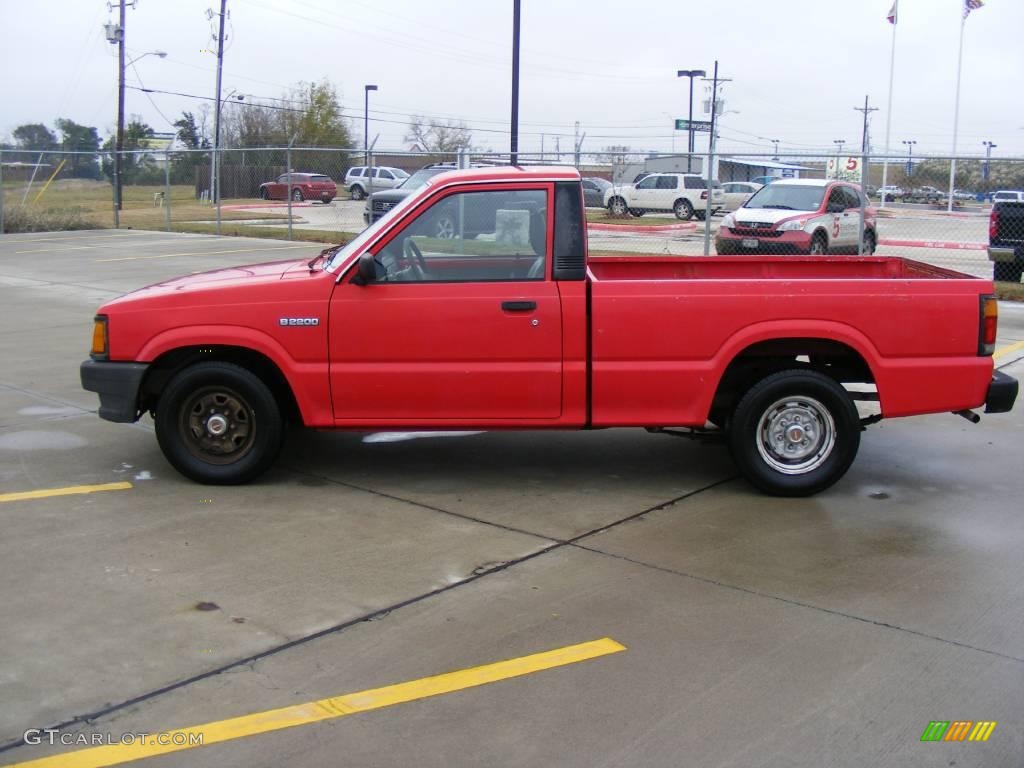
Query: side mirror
366	270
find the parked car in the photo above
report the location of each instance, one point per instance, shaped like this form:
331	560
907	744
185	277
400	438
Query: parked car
508	332
1006	240
736	193
891	192
812	216
684	194
360	179
593	191
924	194
964	195
1008	196
303	186
380	203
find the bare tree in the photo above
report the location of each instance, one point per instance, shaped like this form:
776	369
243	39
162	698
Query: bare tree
435	136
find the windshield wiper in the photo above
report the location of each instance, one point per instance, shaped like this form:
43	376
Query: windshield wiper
779	207
322	255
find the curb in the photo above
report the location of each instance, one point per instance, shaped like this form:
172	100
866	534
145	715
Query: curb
936	244
631	228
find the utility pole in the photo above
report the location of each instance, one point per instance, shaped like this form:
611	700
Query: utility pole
863	172
577	143
119	141
711	160
514	145
216	129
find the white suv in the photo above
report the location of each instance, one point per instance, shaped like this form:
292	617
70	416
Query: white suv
358	180
684	194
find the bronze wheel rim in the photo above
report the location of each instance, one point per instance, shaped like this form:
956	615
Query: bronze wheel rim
217	425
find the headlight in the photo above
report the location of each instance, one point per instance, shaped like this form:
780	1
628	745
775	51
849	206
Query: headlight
100	342
792	225
728	221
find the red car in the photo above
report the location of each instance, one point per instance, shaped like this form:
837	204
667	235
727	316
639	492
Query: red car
812	216
304	186
513	327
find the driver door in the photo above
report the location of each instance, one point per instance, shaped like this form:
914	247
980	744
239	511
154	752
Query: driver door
462	324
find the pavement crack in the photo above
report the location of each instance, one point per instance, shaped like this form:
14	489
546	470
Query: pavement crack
797	603
483	572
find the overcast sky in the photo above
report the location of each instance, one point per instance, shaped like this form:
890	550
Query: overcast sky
798	67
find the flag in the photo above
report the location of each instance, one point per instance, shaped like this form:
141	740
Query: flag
892	12
971	5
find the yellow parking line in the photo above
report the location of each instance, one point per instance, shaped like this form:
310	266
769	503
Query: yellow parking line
71	490
1007	350
206	253
50	249
127	233
325	709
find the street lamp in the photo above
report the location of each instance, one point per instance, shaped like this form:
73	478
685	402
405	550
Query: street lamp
989	146
690	73
215	174
910	156
776	143
366	122
119	141
839	146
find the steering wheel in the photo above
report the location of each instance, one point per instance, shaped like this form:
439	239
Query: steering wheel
414	256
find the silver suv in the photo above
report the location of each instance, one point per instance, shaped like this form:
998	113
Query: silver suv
358	180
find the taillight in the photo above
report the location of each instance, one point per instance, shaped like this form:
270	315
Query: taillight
989	324
704	195
993	225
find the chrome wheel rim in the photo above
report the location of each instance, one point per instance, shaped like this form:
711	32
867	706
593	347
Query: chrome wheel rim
217	425
445	229
618	207
795	435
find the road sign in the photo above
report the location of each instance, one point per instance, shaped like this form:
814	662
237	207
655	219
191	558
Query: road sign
697	125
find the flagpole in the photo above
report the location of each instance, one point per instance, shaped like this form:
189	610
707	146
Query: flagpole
956	113
888	110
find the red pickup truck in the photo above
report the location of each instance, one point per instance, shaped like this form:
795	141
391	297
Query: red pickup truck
501	321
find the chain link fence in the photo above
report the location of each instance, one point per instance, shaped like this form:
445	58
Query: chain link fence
328	195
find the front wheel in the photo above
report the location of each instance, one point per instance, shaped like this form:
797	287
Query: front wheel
794	433
297	195
617	207
264	194
218	423
819	245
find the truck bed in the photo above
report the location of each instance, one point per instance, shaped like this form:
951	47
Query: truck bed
765	268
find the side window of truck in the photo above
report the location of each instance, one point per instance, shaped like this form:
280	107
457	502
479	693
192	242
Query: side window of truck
498	235
650	182
667	182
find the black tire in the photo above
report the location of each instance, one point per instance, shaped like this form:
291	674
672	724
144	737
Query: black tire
297	195
700	215
186	428
264	195
794	433
1006	271
683	209
638	212
617	207
357	192
819	244
870	242
326	199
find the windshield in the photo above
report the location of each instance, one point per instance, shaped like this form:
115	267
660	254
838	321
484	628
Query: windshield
368	234
787	197
419	178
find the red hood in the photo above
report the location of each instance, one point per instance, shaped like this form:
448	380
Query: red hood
223	278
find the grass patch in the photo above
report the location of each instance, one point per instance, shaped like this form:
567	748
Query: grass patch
24	218
1010	291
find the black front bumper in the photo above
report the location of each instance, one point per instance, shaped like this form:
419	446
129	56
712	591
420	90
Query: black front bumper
118	385
1001	393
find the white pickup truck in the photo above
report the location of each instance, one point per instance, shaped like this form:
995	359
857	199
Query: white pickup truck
684	194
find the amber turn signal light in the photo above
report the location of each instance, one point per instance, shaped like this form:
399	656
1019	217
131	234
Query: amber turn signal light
100	347
989	325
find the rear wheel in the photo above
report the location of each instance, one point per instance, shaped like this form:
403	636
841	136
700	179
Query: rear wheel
218	423
869	242
700	215
794	433
683	209
1006	272
357	192
638	212
819	245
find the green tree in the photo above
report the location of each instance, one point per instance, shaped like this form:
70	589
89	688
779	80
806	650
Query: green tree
34	136
82	139
193	136
134	163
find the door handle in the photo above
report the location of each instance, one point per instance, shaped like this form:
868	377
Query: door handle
518	306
